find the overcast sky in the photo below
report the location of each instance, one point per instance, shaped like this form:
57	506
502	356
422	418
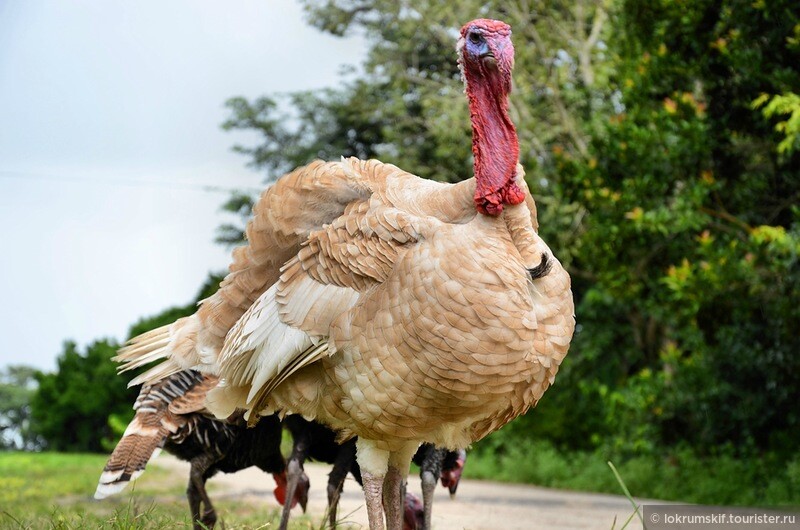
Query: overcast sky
109	133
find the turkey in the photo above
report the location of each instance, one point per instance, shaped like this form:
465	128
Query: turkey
435	463
169	415
317	442
388	307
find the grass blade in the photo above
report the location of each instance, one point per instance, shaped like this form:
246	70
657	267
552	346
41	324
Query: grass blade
628	496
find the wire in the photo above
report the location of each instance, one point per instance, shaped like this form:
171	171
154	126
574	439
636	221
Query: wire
126	182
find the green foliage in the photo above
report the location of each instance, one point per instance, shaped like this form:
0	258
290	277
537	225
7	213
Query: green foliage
787	104
17	385
322	128
691	240
677	475
71	406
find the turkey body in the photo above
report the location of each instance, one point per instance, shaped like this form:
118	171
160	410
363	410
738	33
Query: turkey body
230	447
417	318
213	445
452	342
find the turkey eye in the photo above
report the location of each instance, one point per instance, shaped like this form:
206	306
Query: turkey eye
475	37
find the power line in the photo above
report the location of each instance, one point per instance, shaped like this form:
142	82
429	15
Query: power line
124	181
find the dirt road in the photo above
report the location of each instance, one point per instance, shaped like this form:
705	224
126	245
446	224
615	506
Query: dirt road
479	505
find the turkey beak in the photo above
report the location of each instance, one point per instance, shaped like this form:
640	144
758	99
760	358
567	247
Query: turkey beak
489	55
453	488
304	502
486	56
302	491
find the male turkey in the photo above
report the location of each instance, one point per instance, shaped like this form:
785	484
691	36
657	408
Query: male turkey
388	307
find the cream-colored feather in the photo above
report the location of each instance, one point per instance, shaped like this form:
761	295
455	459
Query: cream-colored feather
260	345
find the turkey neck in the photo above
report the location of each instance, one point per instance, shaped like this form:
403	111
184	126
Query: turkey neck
494	143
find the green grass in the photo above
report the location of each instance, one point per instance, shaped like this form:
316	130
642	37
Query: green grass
54	491
678	476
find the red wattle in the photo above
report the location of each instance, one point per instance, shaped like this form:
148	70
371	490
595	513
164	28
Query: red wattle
492	203
512	194
495	144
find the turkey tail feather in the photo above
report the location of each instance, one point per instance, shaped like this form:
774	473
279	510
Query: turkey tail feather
160	410
136	448
144	349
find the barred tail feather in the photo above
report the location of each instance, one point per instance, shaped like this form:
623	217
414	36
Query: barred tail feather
137	447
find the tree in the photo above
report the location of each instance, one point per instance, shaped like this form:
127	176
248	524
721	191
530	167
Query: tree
691	236
17	386
71	407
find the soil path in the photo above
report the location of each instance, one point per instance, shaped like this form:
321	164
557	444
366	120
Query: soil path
479	505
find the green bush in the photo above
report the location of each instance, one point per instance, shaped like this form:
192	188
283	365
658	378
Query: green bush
678	475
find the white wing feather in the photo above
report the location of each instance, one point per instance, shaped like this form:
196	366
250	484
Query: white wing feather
260	345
